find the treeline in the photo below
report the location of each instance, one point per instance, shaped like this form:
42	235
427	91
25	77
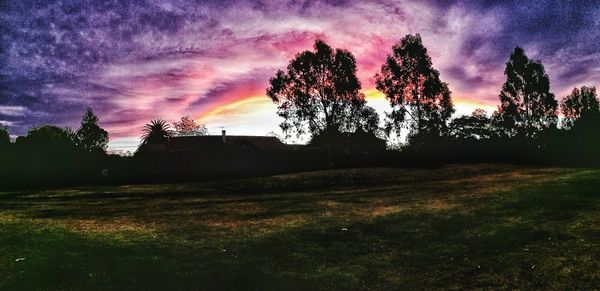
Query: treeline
319	94
52	155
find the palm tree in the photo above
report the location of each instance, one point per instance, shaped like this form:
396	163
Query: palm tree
157	131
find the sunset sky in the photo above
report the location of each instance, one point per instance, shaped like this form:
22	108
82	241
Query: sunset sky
133	61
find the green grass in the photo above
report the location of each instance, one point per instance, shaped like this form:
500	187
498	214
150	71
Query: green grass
455	227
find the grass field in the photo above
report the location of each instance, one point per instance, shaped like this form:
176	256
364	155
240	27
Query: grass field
454	227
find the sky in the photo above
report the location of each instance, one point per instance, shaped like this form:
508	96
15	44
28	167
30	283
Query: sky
133	61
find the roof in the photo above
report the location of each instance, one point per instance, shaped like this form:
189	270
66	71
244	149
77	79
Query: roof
215	142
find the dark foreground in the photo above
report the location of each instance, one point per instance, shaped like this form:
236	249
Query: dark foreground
453	227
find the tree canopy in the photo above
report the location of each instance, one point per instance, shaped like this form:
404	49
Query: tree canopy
319	91
419	99
580	103
526	104
48	134
186	126
4	136
475	126
47	142
90	136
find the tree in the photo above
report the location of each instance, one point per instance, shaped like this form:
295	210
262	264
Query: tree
319	91
368	121
419	99
475	126
45	136
186	126
90	136
5	146
157	131
526	104
580	103
4	136
48	150
582	119
7	167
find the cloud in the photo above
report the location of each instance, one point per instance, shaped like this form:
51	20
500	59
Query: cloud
7	123
13	110
138	60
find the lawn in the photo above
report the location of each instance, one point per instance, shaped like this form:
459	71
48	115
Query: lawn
453	227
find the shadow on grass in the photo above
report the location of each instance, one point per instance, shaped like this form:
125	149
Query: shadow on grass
521	241
529	235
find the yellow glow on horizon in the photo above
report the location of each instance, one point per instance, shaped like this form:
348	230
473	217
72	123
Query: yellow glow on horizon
256	114
373	94
463	105
252	115
467	106
245	105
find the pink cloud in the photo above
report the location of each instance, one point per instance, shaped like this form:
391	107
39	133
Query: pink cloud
248	44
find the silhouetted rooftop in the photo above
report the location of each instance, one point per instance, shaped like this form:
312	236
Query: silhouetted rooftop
215	142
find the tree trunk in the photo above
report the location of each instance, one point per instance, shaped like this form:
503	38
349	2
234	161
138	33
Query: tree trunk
330	164
527	123
327	120
416	97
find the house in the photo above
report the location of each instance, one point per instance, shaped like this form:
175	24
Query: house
215	143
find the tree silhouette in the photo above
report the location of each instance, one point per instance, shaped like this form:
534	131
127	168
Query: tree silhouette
319	91
580	103
186	126
368	121
419	99
48	135
157	131
5	146
526	104
4	137
48	150
90	136
475	126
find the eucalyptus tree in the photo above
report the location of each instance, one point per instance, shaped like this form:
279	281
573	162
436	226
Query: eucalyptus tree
526	103
420	101
319	93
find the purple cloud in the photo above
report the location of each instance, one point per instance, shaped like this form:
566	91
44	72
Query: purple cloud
136	60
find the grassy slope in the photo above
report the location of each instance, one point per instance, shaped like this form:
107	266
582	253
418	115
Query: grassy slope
452	227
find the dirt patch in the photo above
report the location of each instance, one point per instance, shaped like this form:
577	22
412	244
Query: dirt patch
113	225
107	226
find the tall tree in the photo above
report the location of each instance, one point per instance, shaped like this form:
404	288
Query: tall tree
419	99
90	136
526	104
580	103
319	91
186	126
